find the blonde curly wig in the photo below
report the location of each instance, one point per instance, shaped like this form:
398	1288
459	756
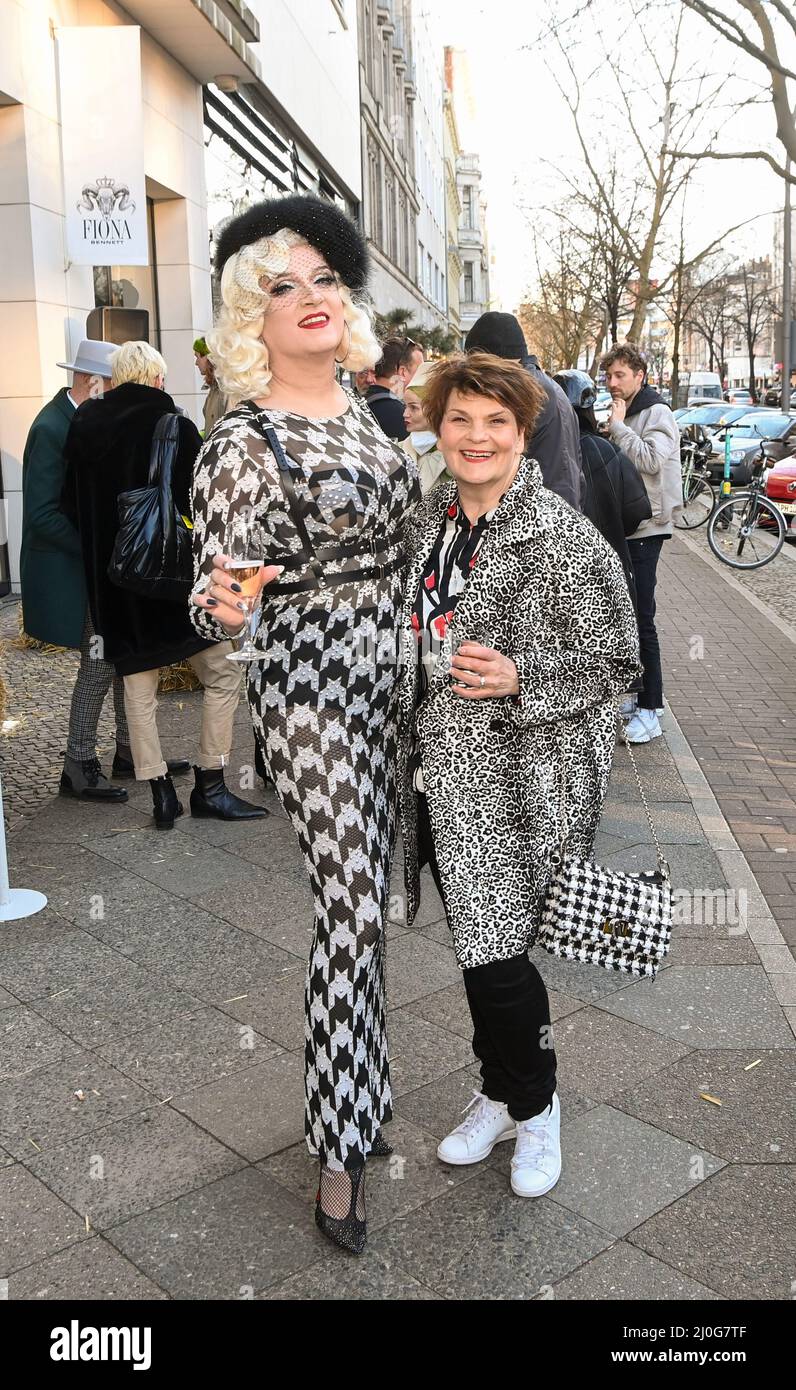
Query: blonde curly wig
238	353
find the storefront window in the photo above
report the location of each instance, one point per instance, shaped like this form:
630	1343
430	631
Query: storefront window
132	286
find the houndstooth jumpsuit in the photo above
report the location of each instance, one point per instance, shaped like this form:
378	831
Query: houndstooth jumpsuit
323	705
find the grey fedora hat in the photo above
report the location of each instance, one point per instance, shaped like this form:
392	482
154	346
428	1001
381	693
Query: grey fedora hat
92	357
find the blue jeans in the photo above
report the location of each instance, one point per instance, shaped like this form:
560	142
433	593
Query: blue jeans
644	556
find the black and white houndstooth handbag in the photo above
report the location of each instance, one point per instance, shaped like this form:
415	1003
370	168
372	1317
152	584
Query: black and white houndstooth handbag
601	916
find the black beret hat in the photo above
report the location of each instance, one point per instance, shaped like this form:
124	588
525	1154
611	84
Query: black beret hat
320	222
497	333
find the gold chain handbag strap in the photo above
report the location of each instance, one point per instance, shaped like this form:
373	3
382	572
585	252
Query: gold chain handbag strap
663	864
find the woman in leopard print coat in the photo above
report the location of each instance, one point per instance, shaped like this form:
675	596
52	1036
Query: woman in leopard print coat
496	560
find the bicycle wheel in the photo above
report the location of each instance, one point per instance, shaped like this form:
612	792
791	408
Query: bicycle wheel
699	499
746	531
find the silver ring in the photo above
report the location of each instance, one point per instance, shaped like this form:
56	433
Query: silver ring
483	682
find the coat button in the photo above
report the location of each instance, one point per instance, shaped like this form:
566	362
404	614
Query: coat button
497	726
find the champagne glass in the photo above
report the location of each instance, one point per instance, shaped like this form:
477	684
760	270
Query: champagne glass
241	545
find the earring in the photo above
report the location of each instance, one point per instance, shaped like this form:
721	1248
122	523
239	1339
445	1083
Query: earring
341	360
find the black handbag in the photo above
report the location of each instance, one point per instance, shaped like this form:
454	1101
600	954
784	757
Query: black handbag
152	553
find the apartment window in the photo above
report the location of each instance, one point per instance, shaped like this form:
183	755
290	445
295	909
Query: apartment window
132	286
389	216
386	82
429	279
442	302
368	27
421	264
467	205
374	192
469	294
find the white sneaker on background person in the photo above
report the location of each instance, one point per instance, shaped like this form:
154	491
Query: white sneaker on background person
488	1124
536	1165
642	728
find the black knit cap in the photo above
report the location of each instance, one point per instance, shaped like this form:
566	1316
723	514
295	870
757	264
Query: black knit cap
497	333
320	222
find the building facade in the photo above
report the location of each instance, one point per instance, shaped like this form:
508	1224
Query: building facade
274	135
235	105
45	297
432	270
474	298
471	234
453	210
390	203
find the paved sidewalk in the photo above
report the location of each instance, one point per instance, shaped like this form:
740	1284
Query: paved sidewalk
730	676
151	1091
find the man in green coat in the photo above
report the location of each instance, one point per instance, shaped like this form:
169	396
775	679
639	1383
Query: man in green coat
54	603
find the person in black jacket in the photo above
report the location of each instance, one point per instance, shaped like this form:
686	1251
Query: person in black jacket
615	499
107	452
380	396
554	442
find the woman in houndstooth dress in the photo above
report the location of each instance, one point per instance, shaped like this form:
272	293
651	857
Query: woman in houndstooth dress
327	493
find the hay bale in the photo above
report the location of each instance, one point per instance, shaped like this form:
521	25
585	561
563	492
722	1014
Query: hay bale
179	677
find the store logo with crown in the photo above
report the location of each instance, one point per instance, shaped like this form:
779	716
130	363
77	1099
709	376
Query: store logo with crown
105	205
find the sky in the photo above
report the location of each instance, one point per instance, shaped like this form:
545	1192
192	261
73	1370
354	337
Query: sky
523	132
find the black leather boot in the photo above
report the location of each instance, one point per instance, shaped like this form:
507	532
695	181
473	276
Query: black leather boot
87	781
211	797
164	802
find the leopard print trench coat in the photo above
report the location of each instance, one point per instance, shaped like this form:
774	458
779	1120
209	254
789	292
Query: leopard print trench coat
552	595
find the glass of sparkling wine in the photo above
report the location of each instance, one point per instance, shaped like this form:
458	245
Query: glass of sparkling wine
241	543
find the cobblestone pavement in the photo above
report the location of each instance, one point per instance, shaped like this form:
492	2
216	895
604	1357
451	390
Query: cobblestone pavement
39	689
774	584
151	1117
730	678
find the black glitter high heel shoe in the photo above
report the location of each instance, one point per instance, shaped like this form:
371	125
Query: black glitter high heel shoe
379	1147
349	1232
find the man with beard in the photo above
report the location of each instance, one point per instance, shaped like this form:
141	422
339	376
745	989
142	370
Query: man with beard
644	428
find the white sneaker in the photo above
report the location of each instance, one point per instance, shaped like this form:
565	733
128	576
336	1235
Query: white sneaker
488	1124
628	707
536	1165
642	728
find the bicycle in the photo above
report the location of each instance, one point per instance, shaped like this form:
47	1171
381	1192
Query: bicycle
747	530
699	497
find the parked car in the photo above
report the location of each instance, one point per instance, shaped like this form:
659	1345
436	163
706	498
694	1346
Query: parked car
781	488
712	417
739	395
773	397
745	436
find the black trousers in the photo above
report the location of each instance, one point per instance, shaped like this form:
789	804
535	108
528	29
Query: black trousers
511	1017
644	554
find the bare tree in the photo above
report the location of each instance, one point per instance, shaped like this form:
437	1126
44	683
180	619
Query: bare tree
754	310
690	285
764	40
713	317
605	251
564	313
683	97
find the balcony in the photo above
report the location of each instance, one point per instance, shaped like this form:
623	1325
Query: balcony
471	236
208	37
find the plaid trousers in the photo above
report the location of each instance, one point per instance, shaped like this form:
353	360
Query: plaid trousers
94	679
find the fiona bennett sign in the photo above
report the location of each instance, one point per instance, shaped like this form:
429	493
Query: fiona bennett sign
102	141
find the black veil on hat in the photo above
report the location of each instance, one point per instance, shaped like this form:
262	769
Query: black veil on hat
320	222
